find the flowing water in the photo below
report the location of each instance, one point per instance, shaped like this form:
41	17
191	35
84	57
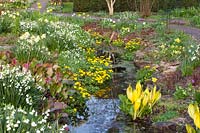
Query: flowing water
104	112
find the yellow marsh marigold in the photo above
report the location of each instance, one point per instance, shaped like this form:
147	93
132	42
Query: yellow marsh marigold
154	79
177	40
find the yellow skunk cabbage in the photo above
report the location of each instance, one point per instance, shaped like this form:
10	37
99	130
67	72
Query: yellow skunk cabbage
194	112
190	129
142	101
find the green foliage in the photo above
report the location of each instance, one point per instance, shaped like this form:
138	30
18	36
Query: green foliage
125	104
186	68
71	58
145	74
66	7
197	97
5	24
182	93
165	116
128	56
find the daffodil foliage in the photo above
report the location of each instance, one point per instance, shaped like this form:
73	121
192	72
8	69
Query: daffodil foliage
194	113
137	102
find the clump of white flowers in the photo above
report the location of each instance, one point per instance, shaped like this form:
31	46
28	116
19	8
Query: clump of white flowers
193	52
68	35
59	35
10	14
17	119
30	26
31	47
18	87
73	58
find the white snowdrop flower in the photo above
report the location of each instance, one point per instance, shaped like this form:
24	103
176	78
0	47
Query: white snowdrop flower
42	129
43	120
8	128
43	36
46	21
37	39
18	121
49	127
45	117
16	125
193	58
36	114
26	121
38	131
33	124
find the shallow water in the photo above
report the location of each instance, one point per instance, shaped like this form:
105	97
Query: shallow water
103	112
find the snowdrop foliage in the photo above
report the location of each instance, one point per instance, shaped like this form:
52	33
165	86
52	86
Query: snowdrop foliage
18	87
31	46
21	120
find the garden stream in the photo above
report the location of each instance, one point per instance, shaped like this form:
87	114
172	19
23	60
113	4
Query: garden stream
104	111
105	116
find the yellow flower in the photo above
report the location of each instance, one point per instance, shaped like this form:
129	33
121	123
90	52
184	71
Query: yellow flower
67	67
154	79
145	100
177	40
129	93
194	113
192	109
147	66
137	105
197	119
190	129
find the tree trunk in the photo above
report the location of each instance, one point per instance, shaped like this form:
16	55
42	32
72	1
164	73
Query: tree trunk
110	4
145	7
